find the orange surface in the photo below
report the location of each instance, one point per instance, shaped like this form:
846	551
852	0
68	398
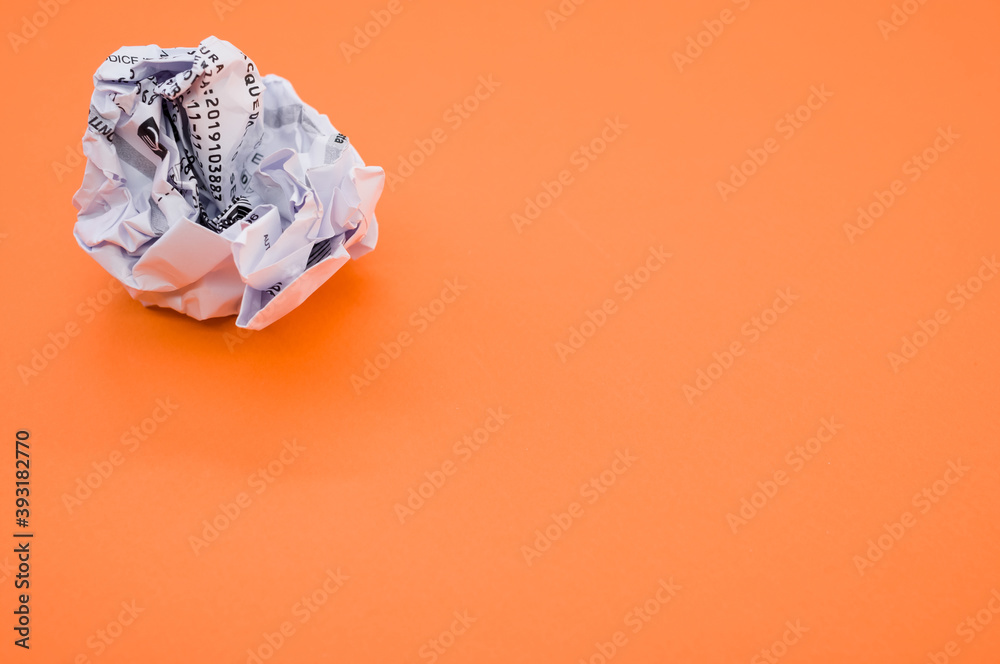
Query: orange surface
620	369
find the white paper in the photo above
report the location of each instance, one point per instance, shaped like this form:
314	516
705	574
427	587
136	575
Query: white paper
213	190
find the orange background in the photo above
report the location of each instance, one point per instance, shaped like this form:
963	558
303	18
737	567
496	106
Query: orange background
667	515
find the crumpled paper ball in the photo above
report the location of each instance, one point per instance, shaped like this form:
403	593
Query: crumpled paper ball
213	190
